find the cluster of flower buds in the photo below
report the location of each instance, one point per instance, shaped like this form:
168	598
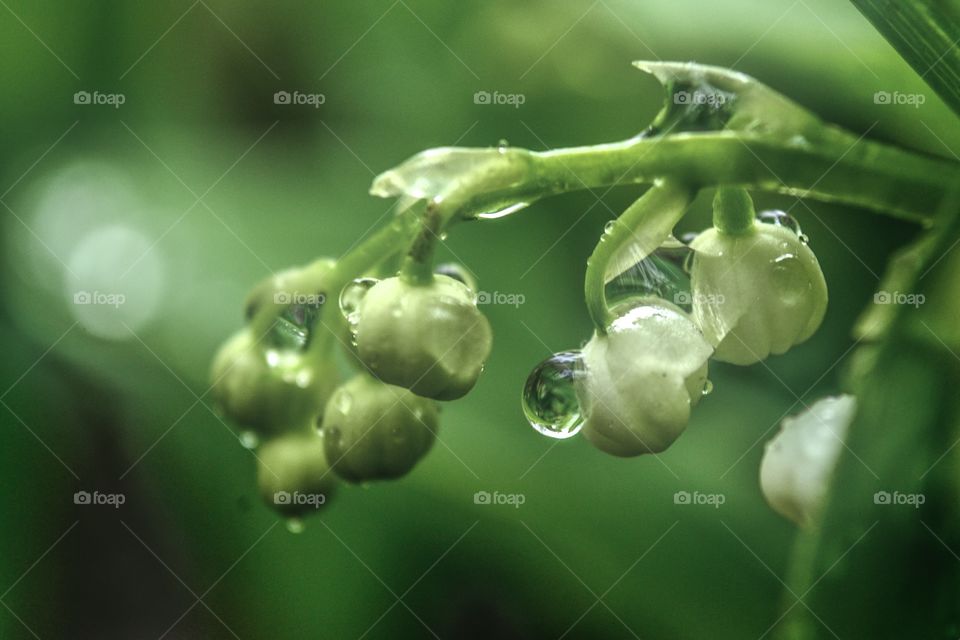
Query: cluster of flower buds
746	288
415	343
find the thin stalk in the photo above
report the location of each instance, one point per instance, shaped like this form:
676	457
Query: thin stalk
663	204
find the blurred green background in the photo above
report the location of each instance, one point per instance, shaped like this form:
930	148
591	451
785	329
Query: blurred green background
199	185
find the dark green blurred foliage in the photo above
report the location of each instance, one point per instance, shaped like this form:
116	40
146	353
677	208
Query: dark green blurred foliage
216	185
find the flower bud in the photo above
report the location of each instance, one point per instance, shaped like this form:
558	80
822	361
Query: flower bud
268	390
756	292
376	431
642	378
428	338
798	462
293	475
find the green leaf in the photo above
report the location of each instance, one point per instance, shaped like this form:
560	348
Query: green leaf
903	440
925	33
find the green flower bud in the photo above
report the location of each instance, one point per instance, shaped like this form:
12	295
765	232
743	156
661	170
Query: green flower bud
268	390
293	475
376	431
756	292
642	378
798	462
429	338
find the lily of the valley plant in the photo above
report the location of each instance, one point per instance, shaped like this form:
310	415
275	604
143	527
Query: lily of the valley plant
745	288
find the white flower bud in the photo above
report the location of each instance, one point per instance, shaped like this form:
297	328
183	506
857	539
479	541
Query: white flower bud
798	462
641	380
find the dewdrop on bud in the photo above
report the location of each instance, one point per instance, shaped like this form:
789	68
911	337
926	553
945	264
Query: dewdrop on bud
757	290
429	338
376	431
798	462
268	390
293	476
642	379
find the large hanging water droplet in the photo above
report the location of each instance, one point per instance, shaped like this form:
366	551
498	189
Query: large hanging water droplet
707	388
780	219
295	525
350	298
249	440
662	274
457	272
550	401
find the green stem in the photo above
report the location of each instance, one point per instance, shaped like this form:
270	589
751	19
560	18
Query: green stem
417	267
733	211
381	245
862	173
647	222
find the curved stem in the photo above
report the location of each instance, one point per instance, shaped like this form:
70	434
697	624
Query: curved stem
860	172
646	223
382	244
733	211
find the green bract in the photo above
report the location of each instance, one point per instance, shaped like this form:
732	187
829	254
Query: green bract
428	338
268	390
757	292
376	431
642	378
798	462
292	473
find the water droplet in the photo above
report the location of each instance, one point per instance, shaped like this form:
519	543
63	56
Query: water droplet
780	219
249	440
662	274
689	237
350	298
457	272
344	401
500	212
550	401
503	144
707	388
295	525
804	238
610	226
